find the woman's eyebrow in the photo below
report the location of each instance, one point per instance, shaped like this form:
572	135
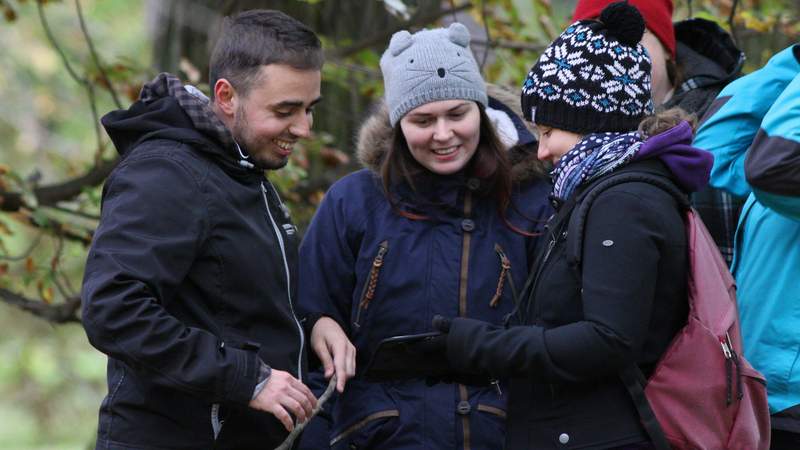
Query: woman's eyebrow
457	106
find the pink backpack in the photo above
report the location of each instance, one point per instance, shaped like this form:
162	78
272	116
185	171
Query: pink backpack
703	394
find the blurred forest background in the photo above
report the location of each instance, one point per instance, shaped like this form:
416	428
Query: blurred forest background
63	64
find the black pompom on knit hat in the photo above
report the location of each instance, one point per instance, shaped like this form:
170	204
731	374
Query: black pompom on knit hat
594	77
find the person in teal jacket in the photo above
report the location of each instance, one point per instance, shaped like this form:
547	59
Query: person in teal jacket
753	130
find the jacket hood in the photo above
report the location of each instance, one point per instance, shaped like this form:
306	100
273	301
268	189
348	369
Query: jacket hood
706	53
168	110
690	166
374	138
161	119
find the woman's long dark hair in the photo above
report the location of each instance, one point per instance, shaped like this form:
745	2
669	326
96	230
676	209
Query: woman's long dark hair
490	164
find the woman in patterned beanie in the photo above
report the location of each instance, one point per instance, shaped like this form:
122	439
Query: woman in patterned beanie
438	222
589	96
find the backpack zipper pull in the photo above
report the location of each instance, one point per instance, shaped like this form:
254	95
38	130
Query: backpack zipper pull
735	359
726	351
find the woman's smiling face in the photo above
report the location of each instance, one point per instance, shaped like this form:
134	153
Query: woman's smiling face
443	136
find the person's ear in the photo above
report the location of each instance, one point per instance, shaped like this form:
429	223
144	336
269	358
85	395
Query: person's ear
225	96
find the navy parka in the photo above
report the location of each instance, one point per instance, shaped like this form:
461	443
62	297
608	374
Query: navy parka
451	263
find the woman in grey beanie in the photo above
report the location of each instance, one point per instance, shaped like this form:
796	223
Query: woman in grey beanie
439	222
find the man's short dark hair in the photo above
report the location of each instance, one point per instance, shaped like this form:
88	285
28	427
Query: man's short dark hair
259	37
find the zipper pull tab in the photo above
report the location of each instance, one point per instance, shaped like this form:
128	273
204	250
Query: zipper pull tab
726	350
496	384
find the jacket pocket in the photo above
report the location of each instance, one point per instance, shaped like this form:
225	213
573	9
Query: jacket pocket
366	432
494	410
368	291
488	426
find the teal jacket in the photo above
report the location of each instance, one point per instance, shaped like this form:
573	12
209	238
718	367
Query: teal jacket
753	130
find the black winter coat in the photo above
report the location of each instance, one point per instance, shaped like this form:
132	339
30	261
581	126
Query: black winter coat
625	308
188	285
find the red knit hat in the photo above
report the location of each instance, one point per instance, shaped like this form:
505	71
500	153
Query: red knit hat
657	16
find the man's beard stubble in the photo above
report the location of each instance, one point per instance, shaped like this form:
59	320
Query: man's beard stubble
264	159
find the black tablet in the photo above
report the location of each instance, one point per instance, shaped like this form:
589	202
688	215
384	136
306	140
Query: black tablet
407	356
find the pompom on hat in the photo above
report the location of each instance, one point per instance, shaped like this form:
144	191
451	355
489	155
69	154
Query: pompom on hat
657	17
429	66
594	77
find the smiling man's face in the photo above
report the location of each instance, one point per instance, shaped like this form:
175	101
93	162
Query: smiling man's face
275	113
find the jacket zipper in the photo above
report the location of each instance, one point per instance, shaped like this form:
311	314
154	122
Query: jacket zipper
288	280
550	245
368	292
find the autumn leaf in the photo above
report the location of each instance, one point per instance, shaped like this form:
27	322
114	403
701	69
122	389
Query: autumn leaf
9	13
132	91
5	230
30	267
47	295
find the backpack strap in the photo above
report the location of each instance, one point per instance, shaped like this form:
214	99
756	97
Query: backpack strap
634	381
577	224
632	376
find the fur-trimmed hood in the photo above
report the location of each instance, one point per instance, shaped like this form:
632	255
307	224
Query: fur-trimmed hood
375	137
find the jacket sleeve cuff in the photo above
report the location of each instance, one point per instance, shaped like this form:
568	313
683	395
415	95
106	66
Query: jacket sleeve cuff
462	331
309	322
240	389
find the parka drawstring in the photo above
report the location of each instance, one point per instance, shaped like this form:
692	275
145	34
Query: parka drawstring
372	283
505	267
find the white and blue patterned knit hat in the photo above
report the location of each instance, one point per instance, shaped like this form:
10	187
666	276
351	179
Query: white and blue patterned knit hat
429	66
594	77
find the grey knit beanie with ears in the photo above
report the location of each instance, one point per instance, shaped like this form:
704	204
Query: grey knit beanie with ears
429	66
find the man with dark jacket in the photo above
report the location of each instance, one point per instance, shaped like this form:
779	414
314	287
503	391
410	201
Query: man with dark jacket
192	272
692	61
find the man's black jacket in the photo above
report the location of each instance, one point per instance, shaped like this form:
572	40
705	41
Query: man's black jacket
188	285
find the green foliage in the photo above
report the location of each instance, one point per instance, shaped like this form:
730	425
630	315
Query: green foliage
51	380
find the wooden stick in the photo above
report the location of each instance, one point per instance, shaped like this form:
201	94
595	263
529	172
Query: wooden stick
298	428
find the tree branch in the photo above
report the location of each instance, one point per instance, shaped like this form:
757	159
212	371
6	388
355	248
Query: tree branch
731	18
84	82
59	229
81	214
511	45
382	37
50	37
10	201
484	18
95	58
57	313
68	190
27	251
